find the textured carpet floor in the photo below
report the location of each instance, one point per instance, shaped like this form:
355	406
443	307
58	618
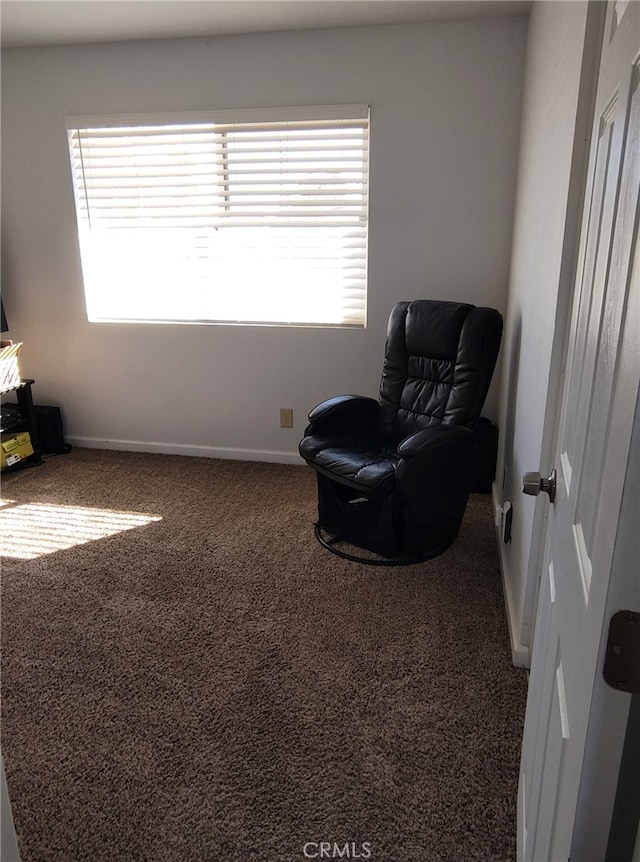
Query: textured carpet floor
212	686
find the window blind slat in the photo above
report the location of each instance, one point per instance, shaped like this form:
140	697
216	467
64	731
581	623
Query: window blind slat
217	139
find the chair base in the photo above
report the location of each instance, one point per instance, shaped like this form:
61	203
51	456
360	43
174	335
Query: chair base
330	545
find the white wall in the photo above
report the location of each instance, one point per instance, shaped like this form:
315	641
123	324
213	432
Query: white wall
445	120
553	151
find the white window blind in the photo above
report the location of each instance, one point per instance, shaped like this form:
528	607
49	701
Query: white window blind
255	217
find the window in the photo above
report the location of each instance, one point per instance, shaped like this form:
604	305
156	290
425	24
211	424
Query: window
240	216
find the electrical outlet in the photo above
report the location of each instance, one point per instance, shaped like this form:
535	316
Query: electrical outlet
286	417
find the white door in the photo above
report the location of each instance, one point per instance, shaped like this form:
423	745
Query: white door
601	379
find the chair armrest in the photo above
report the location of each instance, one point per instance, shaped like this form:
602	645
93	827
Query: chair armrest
341	421
345	409
422	441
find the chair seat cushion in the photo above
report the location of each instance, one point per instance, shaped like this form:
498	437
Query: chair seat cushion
366	466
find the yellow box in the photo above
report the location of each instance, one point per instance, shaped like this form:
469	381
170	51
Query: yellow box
15	448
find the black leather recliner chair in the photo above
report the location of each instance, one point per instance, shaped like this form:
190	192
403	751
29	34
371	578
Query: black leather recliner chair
394	475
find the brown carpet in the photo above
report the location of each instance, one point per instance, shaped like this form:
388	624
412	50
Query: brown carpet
213	686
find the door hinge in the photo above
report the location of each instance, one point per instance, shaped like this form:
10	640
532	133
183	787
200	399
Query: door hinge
622	661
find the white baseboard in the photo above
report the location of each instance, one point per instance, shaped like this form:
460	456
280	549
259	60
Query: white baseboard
224	452
520	654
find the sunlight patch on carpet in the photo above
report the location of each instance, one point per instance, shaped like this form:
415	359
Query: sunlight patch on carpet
35	529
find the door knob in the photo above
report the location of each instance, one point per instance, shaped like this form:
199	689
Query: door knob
533	483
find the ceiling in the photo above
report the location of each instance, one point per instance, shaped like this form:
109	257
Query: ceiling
62	22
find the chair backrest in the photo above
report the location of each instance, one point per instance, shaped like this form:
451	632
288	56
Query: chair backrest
439	359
